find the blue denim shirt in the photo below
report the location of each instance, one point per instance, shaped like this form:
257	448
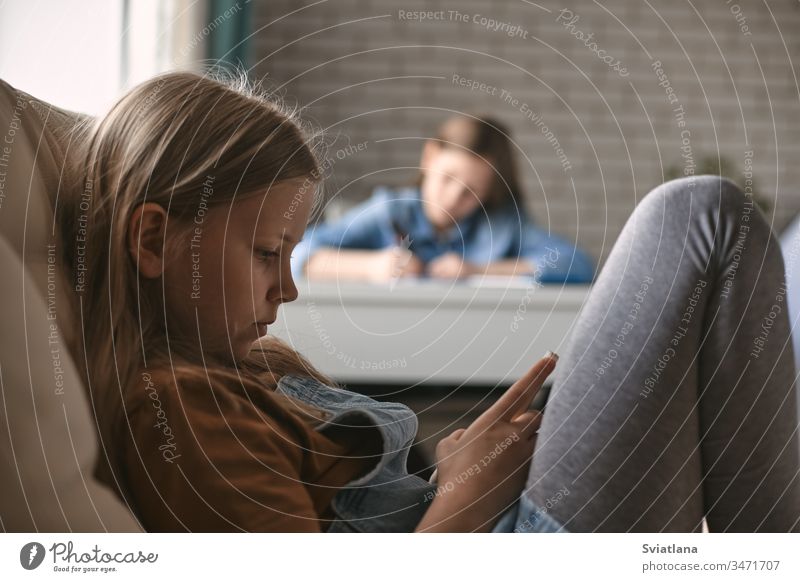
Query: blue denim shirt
387	498
481	238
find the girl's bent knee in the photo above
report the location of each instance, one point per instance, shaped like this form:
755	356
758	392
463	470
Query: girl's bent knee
705	195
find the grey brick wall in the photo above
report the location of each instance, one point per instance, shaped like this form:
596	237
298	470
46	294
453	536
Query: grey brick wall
366	72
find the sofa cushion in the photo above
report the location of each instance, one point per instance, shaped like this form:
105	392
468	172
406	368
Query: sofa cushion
48	440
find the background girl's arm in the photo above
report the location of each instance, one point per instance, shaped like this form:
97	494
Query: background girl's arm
531	251
554	259
453	266
354	237
376	266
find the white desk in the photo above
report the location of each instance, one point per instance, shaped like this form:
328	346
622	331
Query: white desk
428	332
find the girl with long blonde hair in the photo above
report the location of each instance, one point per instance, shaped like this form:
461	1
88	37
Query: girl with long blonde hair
191	193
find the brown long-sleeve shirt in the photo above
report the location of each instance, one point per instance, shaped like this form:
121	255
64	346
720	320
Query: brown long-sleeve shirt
213	458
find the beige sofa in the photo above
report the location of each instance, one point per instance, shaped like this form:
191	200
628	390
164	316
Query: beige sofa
48	440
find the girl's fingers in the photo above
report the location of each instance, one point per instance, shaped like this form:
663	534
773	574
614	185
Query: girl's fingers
518	398
457	434
529	423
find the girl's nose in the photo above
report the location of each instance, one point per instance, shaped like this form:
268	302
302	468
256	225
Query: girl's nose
291	293
285	291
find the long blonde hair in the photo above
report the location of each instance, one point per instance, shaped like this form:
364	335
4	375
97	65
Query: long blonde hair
159	143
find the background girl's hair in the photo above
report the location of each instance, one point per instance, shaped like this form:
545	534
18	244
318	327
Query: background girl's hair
163	142
487	138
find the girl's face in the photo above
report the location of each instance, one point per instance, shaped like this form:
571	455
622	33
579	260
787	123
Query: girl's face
233	273
454	184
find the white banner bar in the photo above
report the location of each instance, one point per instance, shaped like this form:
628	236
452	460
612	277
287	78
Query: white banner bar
403	557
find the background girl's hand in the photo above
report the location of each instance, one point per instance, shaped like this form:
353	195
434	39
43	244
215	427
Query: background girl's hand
395	263
482	469
450	266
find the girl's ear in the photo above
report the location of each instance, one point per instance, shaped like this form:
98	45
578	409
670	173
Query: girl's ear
146	230
429	151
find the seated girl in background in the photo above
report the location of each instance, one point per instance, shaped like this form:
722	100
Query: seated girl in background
466	217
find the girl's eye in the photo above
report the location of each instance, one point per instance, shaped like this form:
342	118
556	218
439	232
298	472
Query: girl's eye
266	255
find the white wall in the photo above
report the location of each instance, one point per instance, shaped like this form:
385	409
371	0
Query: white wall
63	51
73	54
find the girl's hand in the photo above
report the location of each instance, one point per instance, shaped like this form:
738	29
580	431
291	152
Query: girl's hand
394	263
450	266
482	469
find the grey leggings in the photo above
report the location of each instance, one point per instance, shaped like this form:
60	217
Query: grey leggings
674	400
